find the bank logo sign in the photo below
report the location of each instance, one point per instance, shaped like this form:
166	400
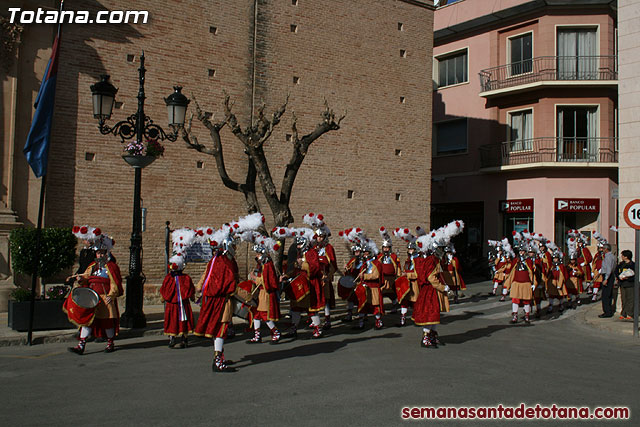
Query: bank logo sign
577	205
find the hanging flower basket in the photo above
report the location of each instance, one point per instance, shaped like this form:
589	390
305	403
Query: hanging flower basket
138	161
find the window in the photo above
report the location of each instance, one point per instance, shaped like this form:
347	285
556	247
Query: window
521	50
452	69
451	137
577	54
577	134
521	130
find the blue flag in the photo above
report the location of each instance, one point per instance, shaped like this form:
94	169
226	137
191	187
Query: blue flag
36	150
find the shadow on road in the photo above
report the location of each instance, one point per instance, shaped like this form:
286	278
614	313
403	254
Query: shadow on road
317	347
475	334
445	320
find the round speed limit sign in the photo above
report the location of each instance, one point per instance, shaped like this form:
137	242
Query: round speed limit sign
632	214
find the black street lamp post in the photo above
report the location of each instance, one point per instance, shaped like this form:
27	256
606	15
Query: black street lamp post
140	126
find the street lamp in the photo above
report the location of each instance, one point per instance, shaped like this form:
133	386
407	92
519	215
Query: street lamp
140	126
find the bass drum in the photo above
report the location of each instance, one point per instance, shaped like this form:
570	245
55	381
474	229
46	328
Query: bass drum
80	306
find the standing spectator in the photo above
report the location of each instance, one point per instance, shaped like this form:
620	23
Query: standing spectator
608	276
625	272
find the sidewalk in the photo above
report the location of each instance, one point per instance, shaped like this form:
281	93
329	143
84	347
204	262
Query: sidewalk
153	313
589	316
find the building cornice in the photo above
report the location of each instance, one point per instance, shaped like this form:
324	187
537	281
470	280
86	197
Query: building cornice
493	18
427	4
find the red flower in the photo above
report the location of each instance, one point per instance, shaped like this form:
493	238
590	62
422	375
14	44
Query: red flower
75	229
310	214
458	224
397	230
320	217
525	231
382	229
181	238
276	247
340	233
236	226
419	244
282	232
97	232
358	230
213	243
199	233
173	266
263	219
433	234
273	230
513	232
84	230
209	231
406	231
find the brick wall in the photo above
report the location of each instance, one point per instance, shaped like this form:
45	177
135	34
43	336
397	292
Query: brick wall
346	52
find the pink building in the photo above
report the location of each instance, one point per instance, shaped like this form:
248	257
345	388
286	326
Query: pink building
525	118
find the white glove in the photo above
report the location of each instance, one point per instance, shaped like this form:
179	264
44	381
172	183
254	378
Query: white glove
533	287
582	265
446	288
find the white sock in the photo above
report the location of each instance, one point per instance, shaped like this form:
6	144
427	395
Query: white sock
315	320
217	344
270	324
527	308
327	310
295	318
426	330
85	332
110	332
378	316
495	285
256	324
514	307
404	310
505	291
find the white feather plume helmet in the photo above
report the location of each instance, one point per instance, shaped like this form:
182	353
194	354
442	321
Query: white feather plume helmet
357	236
176	263
572	246
182	239
256	238
404	234
386	237
506	246
600	238
286	232
420	231
94	235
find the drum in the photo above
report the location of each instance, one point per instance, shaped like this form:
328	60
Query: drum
402	287
345	287
242	308
298	288
80	306
245	290
361	296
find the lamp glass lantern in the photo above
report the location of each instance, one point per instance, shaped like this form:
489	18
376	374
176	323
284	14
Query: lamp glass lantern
104	95
177	107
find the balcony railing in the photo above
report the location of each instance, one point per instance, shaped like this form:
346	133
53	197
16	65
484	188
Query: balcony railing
549	149
549	68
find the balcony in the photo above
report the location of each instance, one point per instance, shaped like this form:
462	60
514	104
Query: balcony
550	152
549	71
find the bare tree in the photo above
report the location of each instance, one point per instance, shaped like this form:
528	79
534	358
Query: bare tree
253	139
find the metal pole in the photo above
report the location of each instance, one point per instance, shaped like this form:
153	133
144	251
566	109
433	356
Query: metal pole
34	276
636	287
167	247
133	317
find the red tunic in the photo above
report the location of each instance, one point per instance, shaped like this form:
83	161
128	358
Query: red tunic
454	268
329	266
177	306
269	283
584	260
426	310
219	282
314	275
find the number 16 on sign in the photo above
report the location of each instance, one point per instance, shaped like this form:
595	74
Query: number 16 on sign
632	218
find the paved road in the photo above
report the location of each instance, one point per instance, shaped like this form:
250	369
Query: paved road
347	378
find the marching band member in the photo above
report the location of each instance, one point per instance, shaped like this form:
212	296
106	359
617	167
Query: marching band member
556	283
351	269
268	308
584	259
102	276
432	297
409	271
501	265
521	281
574	282
390	268
538	291
452	264
371	279
176	291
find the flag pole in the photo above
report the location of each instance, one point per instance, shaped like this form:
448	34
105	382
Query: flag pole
43	184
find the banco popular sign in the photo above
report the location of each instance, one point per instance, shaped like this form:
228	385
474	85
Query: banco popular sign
577	205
